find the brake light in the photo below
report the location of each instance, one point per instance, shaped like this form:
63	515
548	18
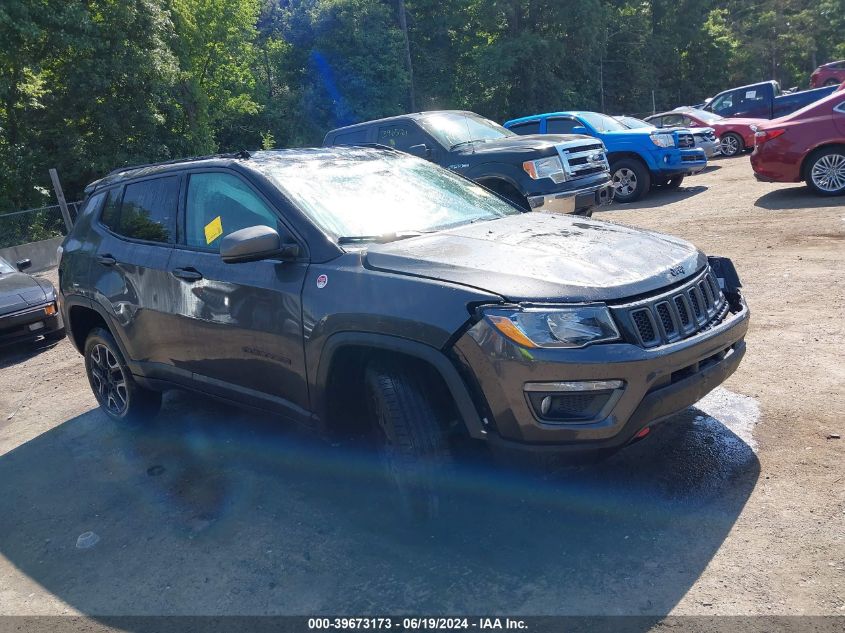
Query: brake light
762	136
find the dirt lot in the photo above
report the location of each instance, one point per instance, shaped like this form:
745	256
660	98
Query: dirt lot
735	507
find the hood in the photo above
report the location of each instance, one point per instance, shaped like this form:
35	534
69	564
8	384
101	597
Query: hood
530	143
19	291
539	257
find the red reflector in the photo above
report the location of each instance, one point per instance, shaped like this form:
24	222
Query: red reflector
642	433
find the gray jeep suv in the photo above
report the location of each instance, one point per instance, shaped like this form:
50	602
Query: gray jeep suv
317	283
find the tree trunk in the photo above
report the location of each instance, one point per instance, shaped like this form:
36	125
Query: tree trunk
403	24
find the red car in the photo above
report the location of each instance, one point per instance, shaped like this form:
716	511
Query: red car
735	135
828	74
808	145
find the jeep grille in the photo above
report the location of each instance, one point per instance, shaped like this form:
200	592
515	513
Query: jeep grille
697	305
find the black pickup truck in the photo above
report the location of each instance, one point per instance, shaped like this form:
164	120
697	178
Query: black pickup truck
562	173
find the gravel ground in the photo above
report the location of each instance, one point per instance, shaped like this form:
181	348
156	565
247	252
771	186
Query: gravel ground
737	506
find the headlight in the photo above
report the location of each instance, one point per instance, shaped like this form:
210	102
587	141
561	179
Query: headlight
574	326
663	140
549	167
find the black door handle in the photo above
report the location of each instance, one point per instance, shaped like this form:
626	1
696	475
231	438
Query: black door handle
188	274
106	260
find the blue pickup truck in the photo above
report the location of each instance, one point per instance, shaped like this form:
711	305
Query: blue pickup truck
764	100
639	159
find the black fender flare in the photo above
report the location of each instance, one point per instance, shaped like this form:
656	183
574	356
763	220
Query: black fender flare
71	301
430	355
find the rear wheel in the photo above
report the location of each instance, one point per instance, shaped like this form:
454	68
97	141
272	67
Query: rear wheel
630	179
413	444
731	144
825	173
116	391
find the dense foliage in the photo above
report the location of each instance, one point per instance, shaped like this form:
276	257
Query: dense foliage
88	85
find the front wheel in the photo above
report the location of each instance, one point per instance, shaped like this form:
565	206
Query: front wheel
731	144
826	171
412	440
630	179
115	389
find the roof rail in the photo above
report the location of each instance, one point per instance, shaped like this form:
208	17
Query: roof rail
242	154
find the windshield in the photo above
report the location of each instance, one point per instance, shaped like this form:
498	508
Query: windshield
633	123
704	115
451	128
5	267
602	122
368	194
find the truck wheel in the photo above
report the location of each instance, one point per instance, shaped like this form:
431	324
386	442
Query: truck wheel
731	144
413	445
825	171
116	391
630	179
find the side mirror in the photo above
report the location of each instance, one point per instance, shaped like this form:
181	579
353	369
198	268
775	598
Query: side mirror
254	243
579	129
422	150
24	264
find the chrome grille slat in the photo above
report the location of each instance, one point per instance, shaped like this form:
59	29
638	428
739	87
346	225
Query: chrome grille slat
575	156
696	305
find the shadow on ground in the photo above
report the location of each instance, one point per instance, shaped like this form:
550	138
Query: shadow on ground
19	352
213	511
799	197
658	197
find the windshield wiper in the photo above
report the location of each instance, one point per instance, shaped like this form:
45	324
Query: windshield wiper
472	140
379	239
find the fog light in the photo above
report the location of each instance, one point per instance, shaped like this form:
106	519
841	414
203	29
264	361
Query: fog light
574	401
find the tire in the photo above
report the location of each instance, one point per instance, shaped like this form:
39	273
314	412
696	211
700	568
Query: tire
117	393
731	144
631	180
413	445
825	171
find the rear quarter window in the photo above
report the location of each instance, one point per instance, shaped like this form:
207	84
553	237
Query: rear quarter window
529	127
356	137
146	211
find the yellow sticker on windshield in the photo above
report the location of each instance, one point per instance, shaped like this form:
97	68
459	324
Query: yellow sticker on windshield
213	230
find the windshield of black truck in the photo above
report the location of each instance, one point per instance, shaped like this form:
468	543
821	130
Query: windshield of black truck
453	129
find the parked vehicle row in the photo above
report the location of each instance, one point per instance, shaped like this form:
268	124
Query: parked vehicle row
705	137
735	135
639	158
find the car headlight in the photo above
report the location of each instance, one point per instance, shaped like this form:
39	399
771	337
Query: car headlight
574	326
549	167
663	140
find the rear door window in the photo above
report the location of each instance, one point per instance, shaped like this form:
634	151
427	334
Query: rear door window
220	203
529	127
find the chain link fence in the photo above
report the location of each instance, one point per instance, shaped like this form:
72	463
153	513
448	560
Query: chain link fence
34	225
